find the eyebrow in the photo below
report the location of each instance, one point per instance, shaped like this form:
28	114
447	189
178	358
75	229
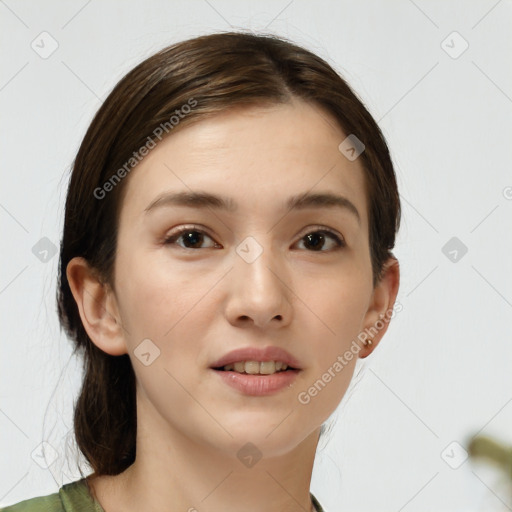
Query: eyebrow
298	202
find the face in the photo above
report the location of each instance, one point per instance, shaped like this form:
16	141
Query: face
198	281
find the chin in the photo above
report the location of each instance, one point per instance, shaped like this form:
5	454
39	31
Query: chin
269	434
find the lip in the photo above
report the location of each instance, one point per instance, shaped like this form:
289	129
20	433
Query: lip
258	385
269	353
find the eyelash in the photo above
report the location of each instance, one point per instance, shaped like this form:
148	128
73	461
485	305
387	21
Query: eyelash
340	243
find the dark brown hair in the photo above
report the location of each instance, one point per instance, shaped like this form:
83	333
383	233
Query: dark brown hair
219	72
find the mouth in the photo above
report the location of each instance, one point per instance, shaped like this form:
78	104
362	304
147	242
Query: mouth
257	361
258	371
257	378
256	367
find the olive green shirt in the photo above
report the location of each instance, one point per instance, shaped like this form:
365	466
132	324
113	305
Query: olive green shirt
75	497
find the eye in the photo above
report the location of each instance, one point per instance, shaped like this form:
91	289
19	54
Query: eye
316	240
192	238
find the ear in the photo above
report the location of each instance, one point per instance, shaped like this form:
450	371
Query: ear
97	306
378	315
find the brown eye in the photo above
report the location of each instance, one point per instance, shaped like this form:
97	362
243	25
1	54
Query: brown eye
192	238
316	240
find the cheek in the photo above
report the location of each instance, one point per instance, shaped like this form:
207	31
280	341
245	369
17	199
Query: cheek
167	304
334	307
340	306
148	291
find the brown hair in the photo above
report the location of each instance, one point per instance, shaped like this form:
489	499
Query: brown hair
219	71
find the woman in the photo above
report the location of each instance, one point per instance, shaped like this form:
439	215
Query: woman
226	258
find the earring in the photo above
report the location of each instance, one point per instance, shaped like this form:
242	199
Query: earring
368	342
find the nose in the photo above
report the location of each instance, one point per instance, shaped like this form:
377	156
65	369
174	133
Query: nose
259	291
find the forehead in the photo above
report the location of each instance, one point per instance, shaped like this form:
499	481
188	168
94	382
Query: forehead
258	156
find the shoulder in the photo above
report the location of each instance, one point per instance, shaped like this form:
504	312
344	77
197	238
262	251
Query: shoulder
49	503
71	497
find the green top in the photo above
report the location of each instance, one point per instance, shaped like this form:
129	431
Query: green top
75	497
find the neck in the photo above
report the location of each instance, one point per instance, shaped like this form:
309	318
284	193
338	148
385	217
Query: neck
174	472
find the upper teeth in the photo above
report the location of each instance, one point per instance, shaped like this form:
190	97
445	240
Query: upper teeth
254	367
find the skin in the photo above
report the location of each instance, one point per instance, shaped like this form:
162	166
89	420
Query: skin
196	304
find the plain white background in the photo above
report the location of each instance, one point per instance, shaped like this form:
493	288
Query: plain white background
442	372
